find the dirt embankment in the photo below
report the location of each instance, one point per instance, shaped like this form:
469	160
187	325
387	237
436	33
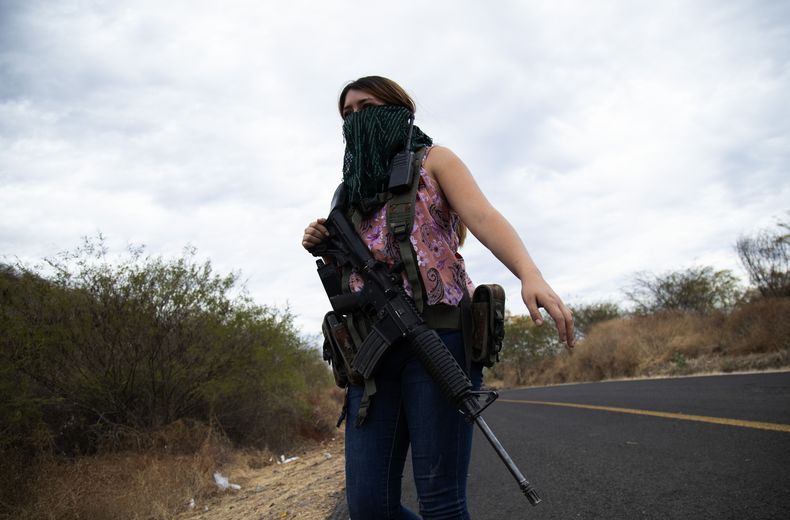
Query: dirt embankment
307	488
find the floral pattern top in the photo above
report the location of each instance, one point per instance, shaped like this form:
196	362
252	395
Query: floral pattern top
434	239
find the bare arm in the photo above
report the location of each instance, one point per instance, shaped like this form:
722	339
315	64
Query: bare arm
499	236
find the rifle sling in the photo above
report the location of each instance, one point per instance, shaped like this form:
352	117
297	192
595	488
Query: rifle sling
400	218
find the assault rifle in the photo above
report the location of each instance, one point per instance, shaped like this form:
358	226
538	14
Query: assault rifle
383	296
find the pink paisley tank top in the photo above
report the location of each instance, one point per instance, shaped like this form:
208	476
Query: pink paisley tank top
435	242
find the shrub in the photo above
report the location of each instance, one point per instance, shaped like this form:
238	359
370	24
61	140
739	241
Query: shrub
699	289
759	327
766	257
152	482
97	351
524	344
753	335
101	356
585	316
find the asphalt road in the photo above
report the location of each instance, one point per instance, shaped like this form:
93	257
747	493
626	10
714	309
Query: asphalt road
593	463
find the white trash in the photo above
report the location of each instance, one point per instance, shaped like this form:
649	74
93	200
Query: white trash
283	460
223	484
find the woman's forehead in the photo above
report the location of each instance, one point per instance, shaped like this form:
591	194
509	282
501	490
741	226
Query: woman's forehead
355	96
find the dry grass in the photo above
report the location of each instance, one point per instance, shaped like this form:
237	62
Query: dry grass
307	489
760	327
754	336
152	476
149	483
155	476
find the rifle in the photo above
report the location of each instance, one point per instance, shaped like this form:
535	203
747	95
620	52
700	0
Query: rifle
383	296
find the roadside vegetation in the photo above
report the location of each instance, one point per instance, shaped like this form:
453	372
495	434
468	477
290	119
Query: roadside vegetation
682	322
125	382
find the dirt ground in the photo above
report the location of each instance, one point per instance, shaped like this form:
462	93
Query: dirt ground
308	488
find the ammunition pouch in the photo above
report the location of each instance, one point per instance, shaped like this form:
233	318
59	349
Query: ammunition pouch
488	323
340	350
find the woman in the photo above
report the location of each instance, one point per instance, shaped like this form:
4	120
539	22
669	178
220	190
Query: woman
408	408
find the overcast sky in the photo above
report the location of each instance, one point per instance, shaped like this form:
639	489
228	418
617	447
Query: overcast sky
616	136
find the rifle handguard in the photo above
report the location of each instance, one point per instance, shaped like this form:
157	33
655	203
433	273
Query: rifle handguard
441	365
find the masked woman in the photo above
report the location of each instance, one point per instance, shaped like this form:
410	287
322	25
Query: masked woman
408	408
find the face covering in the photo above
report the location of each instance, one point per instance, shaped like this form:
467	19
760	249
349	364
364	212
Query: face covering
373	136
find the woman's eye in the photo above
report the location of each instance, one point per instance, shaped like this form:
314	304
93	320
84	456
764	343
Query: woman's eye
362	106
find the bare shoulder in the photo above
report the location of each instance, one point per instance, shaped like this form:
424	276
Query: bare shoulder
439	156
442	163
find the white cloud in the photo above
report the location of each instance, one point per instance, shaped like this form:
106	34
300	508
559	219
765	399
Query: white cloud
616	137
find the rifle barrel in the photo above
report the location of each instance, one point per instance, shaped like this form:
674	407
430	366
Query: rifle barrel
529	491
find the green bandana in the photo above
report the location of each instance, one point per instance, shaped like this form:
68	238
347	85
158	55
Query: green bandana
373	136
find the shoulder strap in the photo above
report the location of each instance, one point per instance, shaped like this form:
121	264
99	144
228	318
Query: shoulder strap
400	218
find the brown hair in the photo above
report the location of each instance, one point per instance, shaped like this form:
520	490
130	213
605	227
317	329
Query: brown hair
383	88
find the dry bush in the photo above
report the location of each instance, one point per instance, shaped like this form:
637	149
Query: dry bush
625	348
667	335
181	437
153	482
552	370
118	486
324	409
152	476
753	336
610	350
759	327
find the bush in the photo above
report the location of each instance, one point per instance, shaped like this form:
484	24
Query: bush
103	357
585	316
759	327
753	335
98	351
524	345
766	257
698	289
151	483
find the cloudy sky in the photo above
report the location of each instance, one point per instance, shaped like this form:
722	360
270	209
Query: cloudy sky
616	136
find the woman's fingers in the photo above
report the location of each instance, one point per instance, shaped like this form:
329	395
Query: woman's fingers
569	326
546	298
564	320
314	233
557	315
534	311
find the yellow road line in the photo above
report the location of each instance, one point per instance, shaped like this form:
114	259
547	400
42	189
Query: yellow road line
667	415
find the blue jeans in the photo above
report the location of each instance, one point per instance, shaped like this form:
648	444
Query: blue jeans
408	408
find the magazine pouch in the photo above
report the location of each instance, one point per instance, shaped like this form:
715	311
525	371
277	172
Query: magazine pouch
488	323
339	350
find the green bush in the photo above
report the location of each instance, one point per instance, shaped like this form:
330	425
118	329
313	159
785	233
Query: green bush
697	289
527	345
98	351
524	345
585	316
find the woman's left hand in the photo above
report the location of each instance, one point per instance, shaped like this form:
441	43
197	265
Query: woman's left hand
537	293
